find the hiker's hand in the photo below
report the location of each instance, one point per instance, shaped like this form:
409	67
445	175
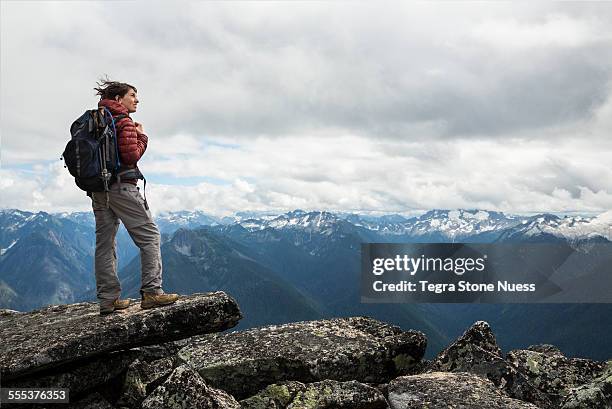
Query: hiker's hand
139	127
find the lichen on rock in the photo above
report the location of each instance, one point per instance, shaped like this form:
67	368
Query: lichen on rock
449	390
344	349
551	372
185	389
59	334
140	379
163	358
477	352
317	395
595	394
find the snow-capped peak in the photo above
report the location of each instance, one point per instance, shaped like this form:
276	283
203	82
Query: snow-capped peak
459	222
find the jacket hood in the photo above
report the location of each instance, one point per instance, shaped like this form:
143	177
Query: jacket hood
115	107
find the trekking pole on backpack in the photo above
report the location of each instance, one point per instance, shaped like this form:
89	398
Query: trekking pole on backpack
101	133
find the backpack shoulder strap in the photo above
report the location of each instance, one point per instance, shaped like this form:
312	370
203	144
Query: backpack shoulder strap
117	119
108	114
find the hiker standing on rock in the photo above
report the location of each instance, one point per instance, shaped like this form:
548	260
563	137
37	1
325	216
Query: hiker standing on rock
124	202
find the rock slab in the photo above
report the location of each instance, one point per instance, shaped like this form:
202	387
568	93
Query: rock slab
78	379
553	373
449	390
185	389
595	394
59	334
140	379
327	394
343	349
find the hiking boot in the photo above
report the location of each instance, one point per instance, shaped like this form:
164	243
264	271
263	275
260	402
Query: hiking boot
151	300
116	305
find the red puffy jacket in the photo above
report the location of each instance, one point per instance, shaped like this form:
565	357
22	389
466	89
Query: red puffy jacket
132	144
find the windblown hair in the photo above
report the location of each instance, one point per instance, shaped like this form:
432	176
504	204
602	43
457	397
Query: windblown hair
108	89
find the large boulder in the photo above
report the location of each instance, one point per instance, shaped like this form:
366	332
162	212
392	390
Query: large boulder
80	378
449	390
318	395
142	378
60	334
595	394
275	396
551	372
140	363
343	349
185	389
477	352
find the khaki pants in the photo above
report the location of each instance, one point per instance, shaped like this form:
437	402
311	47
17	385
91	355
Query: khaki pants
126	204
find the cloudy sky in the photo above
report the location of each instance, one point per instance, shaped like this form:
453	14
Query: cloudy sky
346	106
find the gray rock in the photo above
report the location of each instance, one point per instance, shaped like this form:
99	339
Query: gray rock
477	352
317	395
89	373
185	389
331	394
474	351
275	396
154	352
545	349
595	394
449	390
424	365
59	334
382	387
4	312
553	373
479	334
141	378
343	349
80	376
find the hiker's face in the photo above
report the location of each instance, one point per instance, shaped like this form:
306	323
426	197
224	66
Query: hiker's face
129	100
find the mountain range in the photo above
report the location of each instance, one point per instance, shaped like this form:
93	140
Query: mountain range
301	265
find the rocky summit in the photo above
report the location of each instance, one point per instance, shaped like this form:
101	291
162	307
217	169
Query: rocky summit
58	334
178	356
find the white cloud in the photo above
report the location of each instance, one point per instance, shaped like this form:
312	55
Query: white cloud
353	173
554	30
321	105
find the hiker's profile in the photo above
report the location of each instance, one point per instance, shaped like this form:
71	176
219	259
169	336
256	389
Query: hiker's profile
103	157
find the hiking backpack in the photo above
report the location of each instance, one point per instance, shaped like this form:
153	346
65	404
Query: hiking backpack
92	155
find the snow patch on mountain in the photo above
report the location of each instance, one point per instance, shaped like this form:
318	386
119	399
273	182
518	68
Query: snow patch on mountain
299	219
459	223
571	228
3	251
184	249
578	227
253	224
244	217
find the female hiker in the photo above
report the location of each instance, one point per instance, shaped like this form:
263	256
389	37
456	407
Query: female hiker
124	202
